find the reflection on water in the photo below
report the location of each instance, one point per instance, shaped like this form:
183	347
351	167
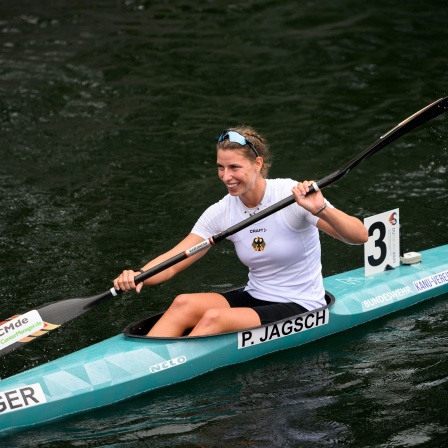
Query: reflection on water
109	113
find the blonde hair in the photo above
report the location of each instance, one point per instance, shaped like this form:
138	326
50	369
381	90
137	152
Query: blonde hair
257	140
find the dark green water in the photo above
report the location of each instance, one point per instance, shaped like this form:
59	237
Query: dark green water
109	111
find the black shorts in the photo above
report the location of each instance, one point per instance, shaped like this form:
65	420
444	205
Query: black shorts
267	311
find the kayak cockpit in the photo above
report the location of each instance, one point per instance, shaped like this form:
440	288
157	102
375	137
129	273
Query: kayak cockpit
140	328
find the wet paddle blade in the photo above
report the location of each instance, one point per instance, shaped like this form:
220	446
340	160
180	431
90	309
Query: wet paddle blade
19	330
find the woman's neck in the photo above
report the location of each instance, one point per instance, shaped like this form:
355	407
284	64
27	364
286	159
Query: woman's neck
253	198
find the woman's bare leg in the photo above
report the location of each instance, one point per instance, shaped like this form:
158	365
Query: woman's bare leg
217	321
185	312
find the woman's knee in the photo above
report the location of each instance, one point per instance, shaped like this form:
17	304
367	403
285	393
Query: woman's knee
212	319
184	306
181	301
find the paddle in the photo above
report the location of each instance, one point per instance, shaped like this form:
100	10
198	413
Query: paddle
34	324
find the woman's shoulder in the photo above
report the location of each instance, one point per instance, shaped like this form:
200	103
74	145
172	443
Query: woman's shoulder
281	181
214	219
222	205
281	184
278	189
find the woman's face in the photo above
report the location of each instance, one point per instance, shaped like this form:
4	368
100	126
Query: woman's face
238	173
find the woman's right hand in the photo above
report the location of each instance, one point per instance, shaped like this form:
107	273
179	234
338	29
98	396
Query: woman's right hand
125	281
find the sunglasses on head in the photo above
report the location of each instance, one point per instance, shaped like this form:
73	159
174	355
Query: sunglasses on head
234	137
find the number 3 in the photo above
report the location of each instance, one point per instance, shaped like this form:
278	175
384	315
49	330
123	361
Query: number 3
379	242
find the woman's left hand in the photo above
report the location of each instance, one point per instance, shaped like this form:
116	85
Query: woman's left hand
332	221
312	202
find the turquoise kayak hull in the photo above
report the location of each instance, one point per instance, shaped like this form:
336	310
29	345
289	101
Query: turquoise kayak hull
123	366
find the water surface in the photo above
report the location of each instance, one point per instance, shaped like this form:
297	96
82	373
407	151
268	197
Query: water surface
108	114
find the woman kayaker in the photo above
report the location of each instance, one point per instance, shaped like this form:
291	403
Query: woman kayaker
282	251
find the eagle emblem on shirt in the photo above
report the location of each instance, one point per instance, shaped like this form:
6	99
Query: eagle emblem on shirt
258	244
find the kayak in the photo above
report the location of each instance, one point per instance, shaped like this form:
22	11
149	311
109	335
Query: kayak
131	363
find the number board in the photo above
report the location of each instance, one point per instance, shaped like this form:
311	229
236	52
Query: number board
382	250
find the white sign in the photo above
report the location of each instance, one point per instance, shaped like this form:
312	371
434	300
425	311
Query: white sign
248	338
431	282
20	327
382	250
22	397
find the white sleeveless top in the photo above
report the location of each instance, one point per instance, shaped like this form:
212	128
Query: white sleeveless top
282	251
